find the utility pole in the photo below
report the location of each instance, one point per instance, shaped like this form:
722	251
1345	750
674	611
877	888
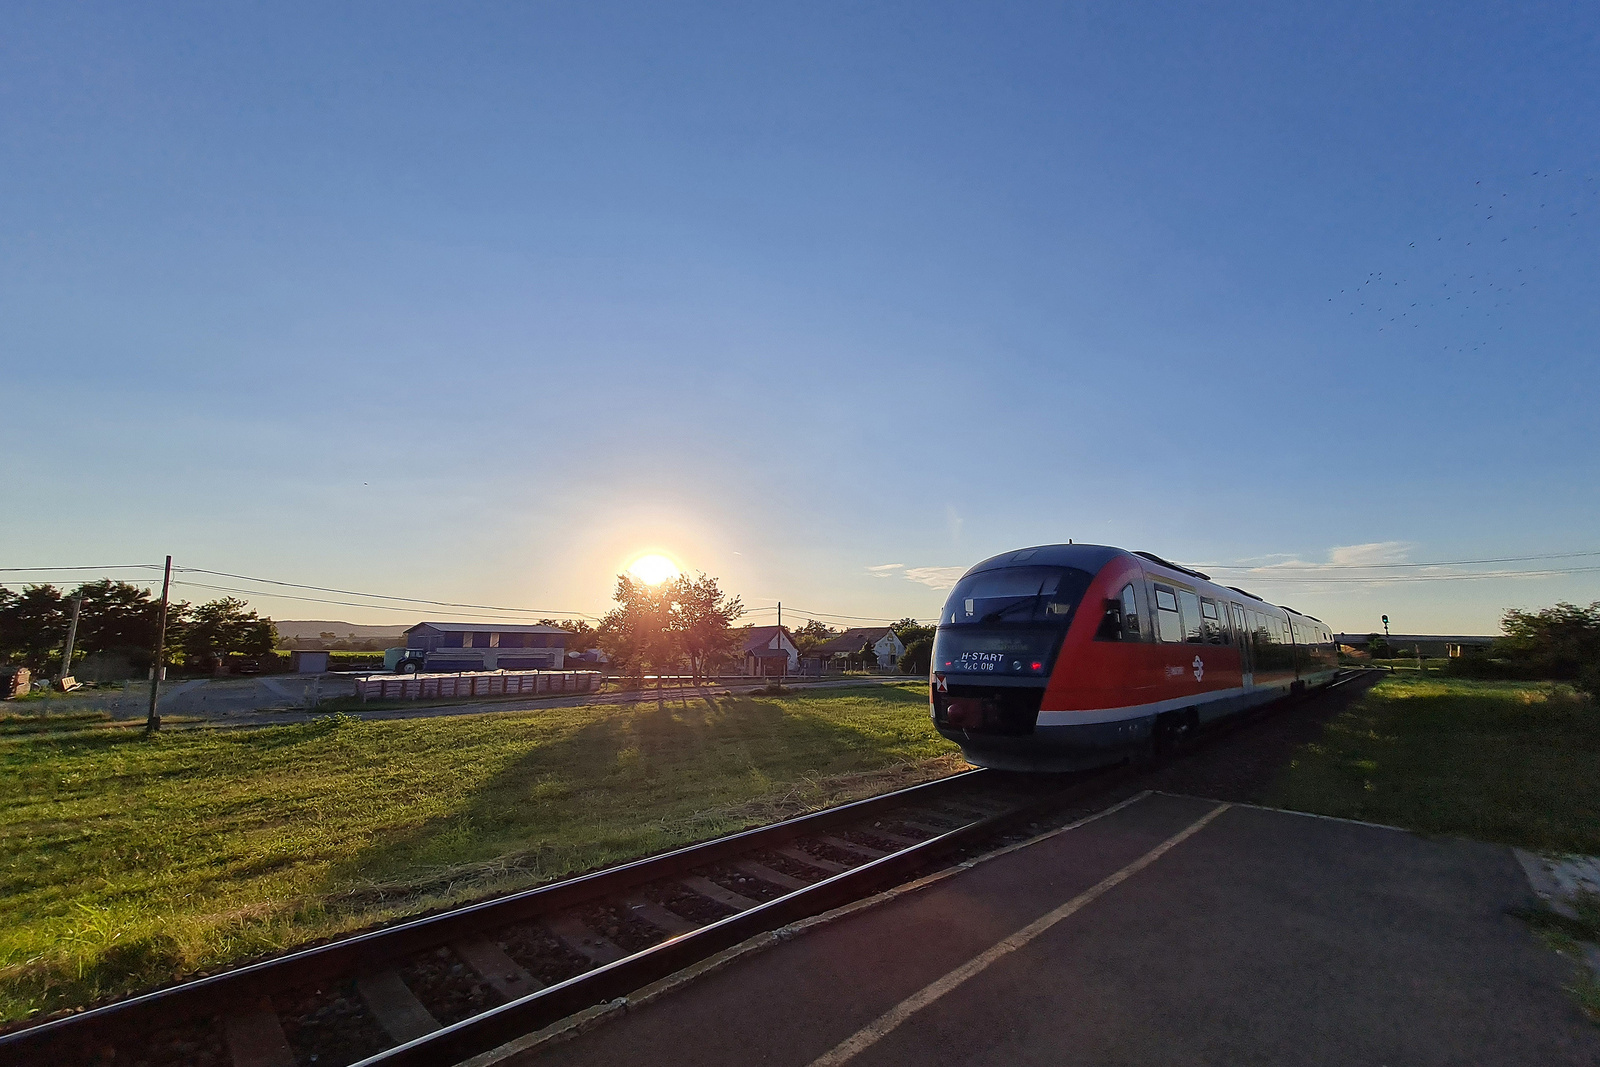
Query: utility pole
780	614
152	721
72	637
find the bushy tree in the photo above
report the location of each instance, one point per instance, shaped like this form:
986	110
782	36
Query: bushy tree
688	620
223	627
702	623
122	618
910	630
919	656
33	624
868	656
637	633
812	634
1562	642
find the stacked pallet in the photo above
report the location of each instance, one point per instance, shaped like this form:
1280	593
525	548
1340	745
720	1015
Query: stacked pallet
476	684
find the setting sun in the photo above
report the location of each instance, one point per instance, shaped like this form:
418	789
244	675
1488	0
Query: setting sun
653	569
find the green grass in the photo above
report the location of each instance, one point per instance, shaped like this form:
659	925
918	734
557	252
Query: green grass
1499	761
127	861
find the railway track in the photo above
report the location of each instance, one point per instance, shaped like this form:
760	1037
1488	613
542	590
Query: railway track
443	988
446	987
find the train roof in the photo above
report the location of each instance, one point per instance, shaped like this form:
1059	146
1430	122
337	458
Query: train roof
1085	557
1092	557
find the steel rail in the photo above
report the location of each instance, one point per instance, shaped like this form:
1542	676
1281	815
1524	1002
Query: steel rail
371	951
220	994
489	1030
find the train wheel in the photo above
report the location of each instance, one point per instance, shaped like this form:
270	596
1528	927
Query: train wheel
1174	730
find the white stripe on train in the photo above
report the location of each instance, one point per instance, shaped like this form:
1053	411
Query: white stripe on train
1261	693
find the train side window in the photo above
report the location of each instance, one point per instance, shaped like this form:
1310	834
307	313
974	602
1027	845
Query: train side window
1216	626
1193	629
1241	632
1169	627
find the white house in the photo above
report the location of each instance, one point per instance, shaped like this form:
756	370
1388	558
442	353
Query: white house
767	651
885	643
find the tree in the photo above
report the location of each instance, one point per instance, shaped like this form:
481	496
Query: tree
33	623
869	656
910	630
121	618
1559	642
811	635
1378	646
221	627
580	635
114	617
919	656
637	632
702	622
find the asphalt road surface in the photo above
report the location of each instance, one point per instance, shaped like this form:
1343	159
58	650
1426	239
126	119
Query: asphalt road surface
1172	930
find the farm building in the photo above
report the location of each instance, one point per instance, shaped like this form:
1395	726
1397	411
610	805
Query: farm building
1451	645
492	646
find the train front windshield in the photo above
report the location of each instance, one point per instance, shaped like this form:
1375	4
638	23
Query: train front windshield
1008	622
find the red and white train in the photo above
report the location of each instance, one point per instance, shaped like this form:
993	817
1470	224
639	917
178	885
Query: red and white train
1068	656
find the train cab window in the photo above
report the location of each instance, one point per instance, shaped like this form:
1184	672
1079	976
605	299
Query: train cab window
1216	626
1131	630
1169	627
1121	619
1193	629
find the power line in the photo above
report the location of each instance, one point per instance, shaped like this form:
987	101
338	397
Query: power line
1388	579
854	618
382	596
1267	568
346	603
109	567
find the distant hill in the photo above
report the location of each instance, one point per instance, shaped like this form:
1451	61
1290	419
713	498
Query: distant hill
310	630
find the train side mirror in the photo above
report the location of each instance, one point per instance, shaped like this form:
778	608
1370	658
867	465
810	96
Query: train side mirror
1111	622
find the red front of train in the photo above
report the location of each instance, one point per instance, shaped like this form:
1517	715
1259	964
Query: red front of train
1066	656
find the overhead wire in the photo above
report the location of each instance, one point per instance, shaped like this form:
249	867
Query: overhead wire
108	567
350	603
383	596
1268	567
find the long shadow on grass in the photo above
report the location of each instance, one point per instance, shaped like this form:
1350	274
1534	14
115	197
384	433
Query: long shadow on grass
638	779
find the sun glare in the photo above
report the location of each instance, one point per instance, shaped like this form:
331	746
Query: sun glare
653	569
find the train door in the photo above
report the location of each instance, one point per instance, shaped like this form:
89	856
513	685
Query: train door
1241	637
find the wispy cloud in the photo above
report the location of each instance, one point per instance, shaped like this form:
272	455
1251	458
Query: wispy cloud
1344	562
1367	555
935	577
885	570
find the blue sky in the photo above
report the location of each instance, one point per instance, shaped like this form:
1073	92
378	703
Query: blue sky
478	302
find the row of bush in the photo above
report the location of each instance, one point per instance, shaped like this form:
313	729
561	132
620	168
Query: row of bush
1558	644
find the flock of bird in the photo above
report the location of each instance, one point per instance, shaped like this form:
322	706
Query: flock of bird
1479	266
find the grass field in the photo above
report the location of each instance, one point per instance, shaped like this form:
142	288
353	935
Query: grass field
1499	761
125	861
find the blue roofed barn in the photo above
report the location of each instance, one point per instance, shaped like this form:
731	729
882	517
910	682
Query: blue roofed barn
490	646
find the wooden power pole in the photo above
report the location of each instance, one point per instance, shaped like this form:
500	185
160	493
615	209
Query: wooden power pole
152	722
